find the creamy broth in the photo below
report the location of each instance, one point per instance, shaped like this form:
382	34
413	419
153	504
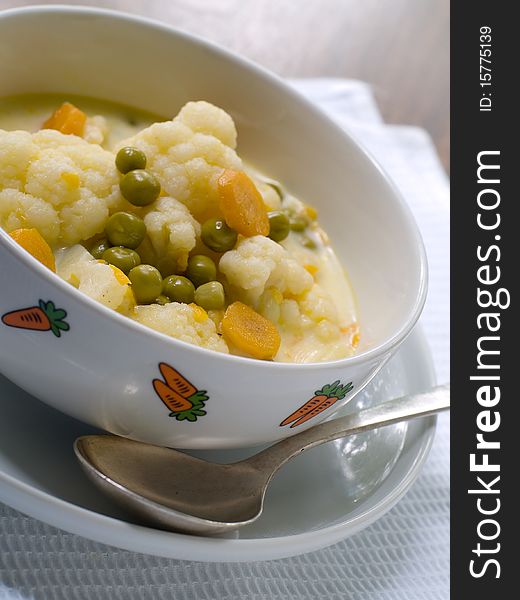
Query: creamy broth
29	111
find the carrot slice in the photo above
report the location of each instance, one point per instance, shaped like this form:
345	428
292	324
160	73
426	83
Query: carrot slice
32	241
250	332
241	204
68	119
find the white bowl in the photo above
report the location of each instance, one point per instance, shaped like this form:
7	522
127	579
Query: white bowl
101	370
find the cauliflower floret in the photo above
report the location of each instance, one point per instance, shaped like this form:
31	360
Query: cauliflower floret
318	304
99	173
258	262
308	330
96	130
188	154
172	232
290	316
203	117
19	210
77	181
327	331
104	283
183	322
17	150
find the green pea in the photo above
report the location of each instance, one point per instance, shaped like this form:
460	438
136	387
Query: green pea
218	236
210	296
201	269
140	187
146	283
129	159
99	247
279	225
162	300
122	258
125	229
178	289
299	223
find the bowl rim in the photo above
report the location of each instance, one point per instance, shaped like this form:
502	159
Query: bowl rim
389	344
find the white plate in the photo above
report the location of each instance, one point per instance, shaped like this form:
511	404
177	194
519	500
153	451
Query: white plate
317	499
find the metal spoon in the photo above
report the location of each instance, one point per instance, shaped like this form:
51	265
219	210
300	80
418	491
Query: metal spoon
176	491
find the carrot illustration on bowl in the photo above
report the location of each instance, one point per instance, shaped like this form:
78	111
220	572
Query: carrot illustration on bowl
44	317
322	399
183	399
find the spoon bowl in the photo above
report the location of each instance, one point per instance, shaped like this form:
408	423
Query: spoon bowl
173	489
176	491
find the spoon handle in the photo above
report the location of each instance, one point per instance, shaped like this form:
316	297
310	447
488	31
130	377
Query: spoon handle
387	413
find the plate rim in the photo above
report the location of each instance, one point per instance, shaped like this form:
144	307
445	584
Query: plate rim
117	533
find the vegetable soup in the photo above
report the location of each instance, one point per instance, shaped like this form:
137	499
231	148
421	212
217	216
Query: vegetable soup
162	221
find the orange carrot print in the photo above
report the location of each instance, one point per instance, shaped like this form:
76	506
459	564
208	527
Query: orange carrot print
183	399
44	317
322	399
176	381
174	401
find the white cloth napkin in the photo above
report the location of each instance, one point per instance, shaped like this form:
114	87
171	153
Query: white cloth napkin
404	555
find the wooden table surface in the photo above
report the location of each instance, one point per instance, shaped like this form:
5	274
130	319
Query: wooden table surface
401	47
